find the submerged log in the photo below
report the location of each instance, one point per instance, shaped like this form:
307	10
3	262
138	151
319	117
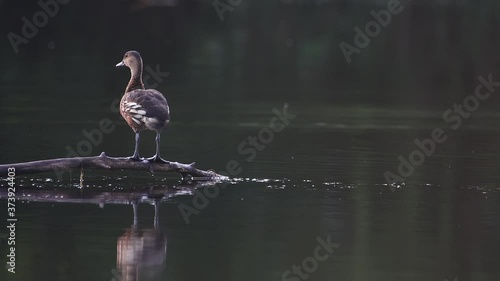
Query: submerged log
105	162
108	196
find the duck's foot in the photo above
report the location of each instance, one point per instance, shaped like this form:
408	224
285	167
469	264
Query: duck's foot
134	158
157	159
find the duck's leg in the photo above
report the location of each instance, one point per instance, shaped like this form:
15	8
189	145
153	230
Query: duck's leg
156	157
136	149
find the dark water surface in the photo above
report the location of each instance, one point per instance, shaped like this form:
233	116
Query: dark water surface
322	178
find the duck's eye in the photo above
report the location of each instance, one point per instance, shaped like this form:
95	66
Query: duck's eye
126	56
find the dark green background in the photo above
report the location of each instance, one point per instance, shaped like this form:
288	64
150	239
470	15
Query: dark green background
323	175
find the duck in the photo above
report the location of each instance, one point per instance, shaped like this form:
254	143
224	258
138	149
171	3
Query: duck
142	109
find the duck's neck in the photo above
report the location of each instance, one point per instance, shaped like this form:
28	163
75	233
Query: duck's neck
135	79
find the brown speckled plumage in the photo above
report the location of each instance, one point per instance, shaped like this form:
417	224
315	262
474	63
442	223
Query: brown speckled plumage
154	104
142	108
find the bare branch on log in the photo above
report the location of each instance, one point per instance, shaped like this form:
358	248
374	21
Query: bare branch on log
105	162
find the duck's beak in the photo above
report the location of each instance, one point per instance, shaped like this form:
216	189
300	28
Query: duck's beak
120	64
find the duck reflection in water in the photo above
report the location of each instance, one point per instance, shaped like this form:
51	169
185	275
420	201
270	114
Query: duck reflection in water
141	252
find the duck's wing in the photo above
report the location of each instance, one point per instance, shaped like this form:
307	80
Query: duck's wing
149	107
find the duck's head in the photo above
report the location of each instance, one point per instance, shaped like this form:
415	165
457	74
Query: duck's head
132	60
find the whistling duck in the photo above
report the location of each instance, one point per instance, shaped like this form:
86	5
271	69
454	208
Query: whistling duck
142	108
